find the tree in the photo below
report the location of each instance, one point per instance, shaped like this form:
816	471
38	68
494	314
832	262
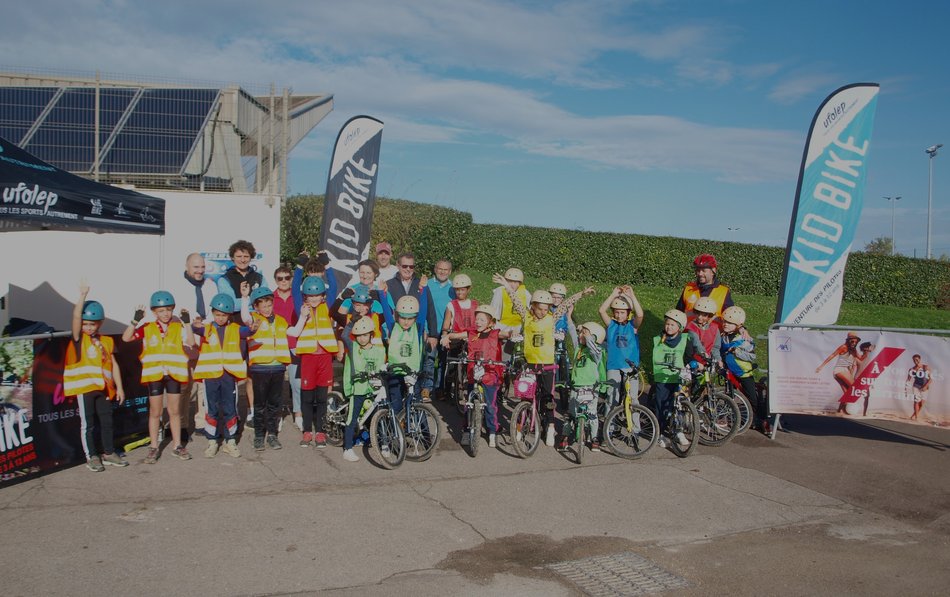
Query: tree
881	245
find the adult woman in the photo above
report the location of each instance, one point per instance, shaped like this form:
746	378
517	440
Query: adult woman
848	361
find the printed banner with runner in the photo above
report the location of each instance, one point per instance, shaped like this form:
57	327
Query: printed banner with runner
827	208
874	374
351	195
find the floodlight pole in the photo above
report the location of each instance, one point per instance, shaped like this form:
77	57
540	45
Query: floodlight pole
893	201
932	152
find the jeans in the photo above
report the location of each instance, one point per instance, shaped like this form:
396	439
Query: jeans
268	388
664	401
429	371
491	408
395	386
353	422
221	419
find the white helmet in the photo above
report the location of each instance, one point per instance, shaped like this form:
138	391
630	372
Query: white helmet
487	309
735	315
461	281
620	303
596	330
677	316
706	305
407	306
514	274
542	297
363	325
558	288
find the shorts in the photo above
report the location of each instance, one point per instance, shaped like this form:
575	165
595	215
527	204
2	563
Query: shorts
316	371
165	385
919	394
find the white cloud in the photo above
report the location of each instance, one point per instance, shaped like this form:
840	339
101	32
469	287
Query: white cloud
800	86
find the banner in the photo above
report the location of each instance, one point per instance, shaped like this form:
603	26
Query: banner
828	204
38	196
874	374
351	195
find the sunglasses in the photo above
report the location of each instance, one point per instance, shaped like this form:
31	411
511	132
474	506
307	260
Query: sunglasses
283	278
407	266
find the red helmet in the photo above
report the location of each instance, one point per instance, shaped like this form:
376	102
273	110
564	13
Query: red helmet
705	260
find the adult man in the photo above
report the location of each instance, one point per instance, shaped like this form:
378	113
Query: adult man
406	283
194	292
706	284
440	289
384	255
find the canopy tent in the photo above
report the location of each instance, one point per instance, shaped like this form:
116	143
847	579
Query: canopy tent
38	196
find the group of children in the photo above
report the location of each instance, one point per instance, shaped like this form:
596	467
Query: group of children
368	332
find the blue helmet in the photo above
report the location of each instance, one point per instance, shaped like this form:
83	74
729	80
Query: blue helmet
313	285
361	294
162	298
259	293
93	311
223	302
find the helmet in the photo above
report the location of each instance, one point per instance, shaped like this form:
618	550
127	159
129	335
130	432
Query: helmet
363	325
313	285
514	274
487	309
361	296
162	298
734	315
558	288
407	306
705	260
259	293
596	330
620	303
542	297
93	311
223	302
704	304
677	316
461	281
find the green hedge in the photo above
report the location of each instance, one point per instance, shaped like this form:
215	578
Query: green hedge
433	232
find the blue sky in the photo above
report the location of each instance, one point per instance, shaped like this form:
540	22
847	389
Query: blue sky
676	117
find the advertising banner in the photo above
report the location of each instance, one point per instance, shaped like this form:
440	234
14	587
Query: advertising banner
827	207
874	374
351	195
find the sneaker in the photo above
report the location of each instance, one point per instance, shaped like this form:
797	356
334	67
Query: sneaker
426	393
350	455
182	452
549	440
491	440
114	460
320	439
305	439
273	443
663	443
681	438
298	421
152	456
94	463
230	448
259	444
595	446
212	449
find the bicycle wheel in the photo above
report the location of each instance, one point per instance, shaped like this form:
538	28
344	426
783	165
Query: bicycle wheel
581	424
525	428
745	411
683	420
389	444
643	384
460	395
422	431
718	419
475	427
338	411
635	441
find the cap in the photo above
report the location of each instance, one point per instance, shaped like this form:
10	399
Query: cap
384	248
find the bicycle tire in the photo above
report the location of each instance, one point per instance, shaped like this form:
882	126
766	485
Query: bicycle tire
581	440
475	429
389	443
643	384
460	394
631	444
684	419
525	428
718	419
334	423
745	410
422	431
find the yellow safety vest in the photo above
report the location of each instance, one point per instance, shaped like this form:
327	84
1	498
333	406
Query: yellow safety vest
691	294
163	354
539	340
269	342
317	330
90	369
509	317
216	358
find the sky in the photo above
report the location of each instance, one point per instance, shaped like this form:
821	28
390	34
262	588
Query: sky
673	117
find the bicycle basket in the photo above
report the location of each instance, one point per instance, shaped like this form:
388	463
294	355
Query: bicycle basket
525	385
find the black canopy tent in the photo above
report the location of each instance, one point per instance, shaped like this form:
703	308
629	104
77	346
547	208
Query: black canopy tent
38	196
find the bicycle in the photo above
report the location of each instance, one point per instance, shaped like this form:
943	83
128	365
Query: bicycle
719	416
385	429
419	421
579	419
682	420
731	386
474	402
630	429
525	425
338	413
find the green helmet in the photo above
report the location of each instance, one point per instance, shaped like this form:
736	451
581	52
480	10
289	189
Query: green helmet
223	302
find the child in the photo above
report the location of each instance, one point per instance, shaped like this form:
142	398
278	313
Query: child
459	317
563	327
623	342
268	357
221	366
484	341
704	328
587	374
405	345
368	357
92	375
362	304
164	366
508	320
672	351
539	344
737	351
317	345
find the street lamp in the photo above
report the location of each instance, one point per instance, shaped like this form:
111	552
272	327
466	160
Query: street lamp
932	152
893	201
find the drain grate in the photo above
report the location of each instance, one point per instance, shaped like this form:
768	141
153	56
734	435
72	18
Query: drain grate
618	574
